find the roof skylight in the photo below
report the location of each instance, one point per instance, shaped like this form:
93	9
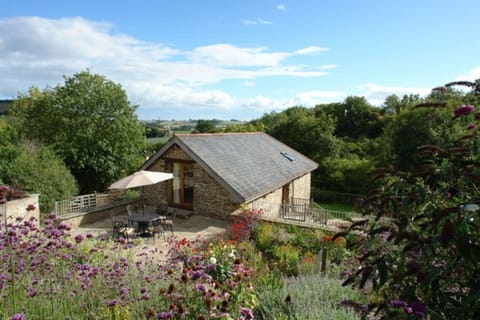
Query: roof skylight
287	155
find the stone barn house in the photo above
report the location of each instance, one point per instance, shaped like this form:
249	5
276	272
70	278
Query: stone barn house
216	174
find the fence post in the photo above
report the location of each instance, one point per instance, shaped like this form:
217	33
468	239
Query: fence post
324	260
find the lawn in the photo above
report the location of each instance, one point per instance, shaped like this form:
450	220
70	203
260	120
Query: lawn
337	206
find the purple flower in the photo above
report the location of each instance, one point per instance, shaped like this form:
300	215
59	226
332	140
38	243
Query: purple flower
472	126
165	315
418	308
30	207
31	292
112	303
462	110
63	226
448	194
398	303
18	316
413	266
246	313
78	238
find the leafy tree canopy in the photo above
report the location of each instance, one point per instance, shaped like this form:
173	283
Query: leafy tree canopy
356	118
418	246
89	122
205	126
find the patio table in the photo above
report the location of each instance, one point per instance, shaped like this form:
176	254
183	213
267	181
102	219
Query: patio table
143	220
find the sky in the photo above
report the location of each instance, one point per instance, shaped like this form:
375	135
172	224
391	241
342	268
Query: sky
231	59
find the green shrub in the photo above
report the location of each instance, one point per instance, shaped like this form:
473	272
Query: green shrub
307	240
305	297
36	169
287	257
264	235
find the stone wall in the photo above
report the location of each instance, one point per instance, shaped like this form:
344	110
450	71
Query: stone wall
18	208
210	198
176	153
155	194
302	187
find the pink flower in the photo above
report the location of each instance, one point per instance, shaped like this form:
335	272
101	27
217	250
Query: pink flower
462	110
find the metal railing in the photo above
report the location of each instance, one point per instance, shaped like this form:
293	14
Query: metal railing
80	204
292	212
303	212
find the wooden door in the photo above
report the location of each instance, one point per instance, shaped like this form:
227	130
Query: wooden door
182	185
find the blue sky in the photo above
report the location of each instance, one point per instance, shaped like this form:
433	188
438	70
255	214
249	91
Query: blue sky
240	59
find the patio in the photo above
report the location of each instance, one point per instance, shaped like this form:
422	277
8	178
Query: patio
189	228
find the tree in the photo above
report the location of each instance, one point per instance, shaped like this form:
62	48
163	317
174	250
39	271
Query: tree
394	105
205	126
89	122
355	118
419	245
305	131
410	129
252	126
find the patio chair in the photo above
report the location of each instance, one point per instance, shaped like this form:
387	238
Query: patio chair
131	211
156	228
121	229
113	220
170	221
163	209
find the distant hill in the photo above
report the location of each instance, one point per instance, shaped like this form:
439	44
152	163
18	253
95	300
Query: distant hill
4	105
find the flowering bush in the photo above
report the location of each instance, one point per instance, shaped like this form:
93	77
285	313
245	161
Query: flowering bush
8	193
213	283
420	250
51	273
243	223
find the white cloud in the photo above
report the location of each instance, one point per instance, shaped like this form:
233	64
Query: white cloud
229	55
376	94
36	51
314	97
328	66
266	104
281	7
471	75
310	50
256	22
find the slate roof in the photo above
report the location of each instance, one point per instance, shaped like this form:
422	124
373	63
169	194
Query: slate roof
248	165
